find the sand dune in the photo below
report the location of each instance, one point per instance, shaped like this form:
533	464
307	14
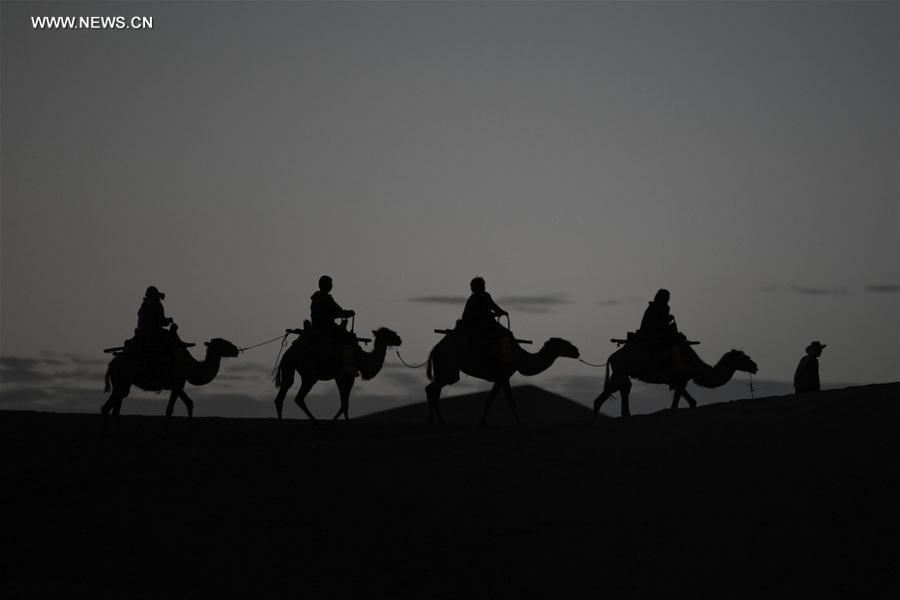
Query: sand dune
780	496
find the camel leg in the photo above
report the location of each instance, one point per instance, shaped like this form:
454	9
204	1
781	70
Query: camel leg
287	380
487	404
625	390
170	407
512	401
306	384
691	402
676	397
117	404
188	403
112	405
608	390
344	384
433	394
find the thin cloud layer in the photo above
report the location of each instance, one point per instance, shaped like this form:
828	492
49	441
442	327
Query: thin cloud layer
807	290
526	304
878	288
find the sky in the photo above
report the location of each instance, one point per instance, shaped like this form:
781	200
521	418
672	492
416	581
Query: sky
577	155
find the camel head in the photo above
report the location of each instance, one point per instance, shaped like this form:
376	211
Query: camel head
739	361
560	347
220	347
386	337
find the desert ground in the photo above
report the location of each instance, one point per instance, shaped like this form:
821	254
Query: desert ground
791	496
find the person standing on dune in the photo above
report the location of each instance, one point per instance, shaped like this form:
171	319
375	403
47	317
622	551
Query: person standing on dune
806	377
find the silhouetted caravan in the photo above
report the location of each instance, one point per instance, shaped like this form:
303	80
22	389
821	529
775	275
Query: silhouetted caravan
456	353
675	368
326	350
481	347
168	371
316	362
156	359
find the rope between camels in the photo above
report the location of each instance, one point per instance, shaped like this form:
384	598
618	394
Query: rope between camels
591	364
282	338
409	365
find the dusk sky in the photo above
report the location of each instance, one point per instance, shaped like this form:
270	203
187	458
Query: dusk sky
577	155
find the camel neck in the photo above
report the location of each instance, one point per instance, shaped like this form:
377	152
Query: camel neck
532	364
201	373
713	377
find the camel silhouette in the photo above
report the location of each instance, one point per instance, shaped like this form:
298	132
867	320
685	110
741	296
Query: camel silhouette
170	372
454	354
630	362
312	369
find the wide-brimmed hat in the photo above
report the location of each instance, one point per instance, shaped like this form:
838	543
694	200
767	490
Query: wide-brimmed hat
152	292
816	345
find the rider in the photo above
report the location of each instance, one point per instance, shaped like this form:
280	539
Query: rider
323	312
479	315
658	322
151	333
658	334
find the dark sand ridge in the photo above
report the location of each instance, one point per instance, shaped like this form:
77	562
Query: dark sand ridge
792	495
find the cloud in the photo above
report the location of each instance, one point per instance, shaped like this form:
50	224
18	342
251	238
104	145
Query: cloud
617	301
526	304
806	290
14	369
533	304
883	288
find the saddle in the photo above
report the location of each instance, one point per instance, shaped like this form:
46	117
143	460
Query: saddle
149	349
490	343
329	346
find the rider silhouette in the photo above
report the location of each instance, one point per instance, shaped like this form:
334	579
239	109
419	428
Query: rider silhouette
478	320
324	310
658	324
151	333
480	311
328	335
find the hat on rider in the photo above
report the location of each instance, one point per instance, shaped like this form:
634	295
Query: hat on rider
152	292
815	346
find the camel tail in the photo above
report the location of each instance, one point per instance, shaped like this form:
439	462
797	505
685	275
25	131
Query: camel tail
429	370
106	380
277	373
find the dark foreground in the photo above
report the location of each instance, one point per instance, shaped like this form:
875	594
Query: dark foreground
792	496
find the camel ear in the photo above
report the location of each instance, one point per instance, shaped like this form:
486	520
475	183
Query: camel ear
373	332
206	344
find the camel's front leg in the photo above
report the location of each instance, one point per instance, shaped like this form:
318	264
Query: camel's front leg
306	384
676	397
487	404
344	384
188	403
691	402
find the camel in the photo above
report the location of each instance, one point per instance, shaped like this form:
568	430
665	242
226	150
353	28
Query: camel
685	366
169	372
453	353
312	370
